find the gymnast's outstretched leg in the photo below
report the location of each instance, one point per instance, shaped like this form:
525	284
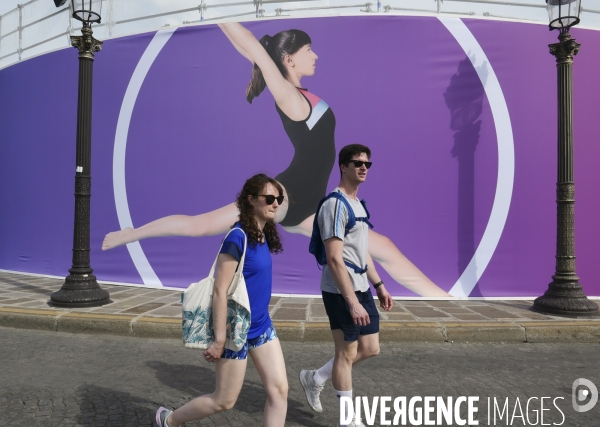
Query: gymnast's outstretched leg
383	250
304	228
206	224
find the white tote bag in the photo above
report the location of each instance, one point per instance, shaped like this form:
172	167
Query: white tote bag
196	304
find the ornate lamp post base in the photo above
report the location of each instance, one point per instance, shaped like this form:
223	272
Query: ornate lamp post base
80	291
565	299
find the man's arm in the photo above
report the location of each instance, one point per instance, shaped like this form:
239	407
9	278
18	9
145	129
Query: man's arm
385	299
334	248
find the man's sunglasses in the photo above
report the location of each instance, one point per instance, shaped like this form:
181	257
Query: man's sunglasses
270	199
359	163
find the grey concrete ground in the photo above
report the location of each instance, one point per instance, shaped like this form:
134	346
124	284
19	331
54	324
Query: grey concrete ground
60	379
156	313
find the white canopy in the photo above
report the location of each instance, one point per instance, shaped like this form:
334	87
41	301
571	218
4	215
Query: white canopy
37	26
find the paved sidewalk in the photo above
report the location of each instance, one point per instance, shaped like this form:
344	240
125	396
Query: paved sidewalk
156	313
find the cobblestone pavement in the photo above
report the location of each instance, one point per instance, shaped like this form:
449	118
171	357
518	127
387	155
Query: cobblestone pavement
33	292
156	313
59	379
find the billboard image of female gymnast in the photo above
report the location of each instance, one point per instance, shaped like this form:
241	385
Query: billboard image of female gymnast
279	63
461	191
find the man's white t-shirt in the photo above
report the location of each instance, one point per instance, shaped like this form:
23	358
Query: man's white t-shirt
333	218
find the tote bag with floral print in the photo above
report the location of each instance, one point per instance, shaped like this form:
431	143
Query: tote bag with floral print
196	303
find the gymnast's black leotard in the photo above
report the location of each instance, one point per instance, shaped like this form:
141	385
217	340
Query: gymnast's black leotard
305	180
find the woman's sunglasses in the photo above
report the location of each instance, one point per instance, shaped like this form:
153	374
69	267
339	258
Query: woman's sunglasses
270	199
359	163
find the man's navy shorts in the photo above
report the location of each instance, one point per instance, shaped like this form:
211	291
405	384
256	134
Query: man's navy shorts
338	312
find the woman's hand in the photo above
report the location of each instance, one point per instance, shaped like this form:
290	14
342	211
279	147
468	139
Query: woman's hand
213	352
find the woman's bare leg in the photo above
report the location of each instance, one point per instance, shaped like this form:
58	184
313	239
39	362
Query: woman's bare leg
230	377
268	359
400	268
206	224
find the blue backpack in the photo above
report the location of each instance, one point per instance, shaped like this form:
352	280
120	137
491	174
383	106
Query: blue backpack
316	246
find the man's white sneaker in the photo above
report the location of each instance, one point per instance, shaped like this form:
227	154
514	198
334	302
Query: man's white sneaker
354	423
311	389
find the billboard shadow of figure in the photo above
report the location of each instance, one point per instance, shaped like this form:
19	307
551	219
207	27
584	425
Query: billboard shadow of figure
278	64
464	98
102	406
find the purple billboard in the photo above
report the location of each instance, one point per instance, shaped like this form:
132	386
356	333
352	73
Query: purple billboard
460	116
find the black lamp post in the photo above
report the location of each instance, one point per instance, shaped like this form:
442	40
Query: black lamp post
565	295
80	288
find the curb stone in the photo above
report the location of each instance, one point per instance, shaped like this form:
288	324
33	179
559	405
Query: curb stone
411	332
551	331
561	332
153	327
29	319
485	332
91	323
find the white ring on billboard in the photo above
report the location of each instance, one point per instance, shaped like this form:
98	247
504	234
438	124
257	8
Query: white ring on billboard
506	156
136	252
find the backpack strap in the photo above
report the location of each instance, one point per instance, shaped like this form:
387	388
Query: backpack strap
351	217
356	269
363	202
350	225
316	246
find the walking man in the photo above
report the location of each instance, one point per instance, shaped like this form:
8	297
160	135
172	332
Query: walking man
353	317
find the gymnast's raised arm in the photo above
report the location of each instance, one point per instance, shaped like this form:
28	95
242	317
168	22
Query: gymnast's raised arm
281	80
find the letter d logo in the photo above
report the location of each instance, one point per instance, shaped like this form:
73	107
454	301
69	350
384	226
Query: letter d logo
581	395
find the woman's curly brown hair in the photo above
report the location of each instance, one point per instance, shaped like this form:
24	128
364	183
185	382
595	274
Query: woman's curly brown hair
253	187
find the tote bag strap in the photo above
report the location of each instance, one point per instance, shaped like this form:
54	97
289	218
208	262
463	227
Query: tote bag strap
240	268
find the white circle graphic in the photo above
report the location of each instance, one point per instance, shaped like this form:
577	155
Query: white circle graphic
506	156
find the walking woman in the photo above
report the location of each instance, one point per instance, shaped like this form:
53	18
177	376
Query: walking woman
279	64
258	203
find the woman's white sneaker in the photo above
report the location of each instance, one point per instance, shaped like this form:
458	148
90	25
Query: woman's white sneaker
161	417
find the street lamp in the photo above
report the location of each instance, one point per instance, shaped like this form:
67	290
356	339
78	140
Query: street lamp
80	288
565	295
